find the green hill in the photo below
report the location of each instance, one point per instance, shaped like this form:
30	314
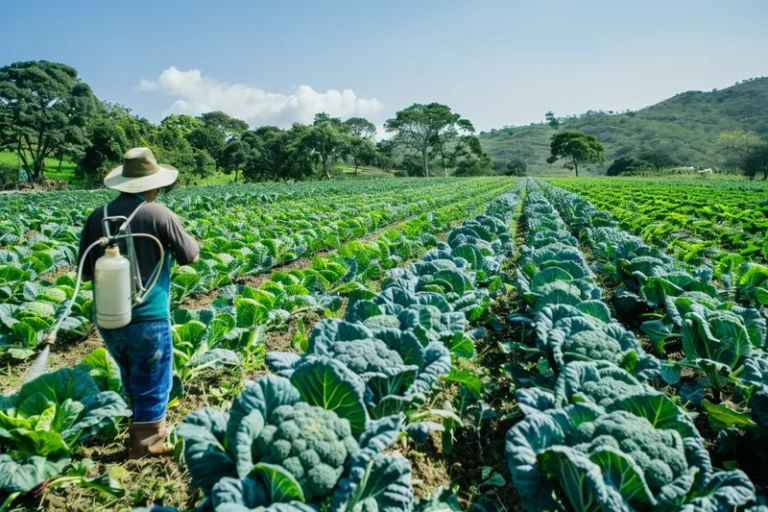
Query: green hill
685	126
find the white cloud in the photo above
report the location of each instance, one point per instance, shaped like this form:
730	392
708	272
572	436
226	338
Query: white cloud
195	94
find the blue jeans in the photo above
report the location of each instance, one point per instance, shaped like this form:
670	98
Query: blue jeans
144	353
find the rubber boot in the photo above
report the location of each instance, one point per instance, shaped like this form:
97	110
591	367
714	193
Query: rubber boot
147	439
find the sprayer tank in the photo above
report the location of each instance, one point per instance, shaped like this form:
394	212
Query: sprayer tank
112	276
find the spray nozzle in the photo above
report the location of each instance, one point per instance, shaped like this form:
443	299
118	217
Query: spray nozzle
50	339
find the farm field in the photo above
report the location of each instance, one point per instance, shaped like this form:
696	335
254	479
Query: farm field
696	221
413	344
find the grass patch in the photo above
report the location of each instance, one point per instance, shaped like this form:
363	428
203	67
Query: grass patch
11	159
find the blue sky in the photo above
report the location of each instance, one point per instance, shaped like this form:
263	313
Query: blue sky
495	62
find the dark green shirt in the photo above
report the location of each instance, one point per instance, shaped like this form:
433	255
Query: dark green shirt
154	219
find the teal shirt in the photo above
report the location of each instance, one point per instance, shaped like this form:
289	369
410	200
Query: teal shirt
157	304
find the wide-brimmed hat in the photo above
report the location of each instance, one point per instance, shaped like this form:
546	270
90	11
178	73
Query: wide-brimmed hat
140	172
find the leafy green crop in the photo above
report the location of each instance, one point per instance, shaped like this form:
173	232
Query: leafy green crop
42	422
293	443
604	441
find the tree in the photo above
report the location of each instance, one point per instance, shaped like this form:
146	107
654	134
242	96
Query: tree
322	117
577	147
452	137
235	156
228	126
204	166
110	135
419	128
44	108
181	122
470	159
326	142
756	162
170	146
210	139
384	157
360	127
515	167
362	151
627	164
276	154
735	146
552	120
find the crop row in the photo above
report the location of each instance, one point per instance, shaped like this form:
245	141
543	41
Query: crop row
604	437
236	321
234	246
685	219
374	369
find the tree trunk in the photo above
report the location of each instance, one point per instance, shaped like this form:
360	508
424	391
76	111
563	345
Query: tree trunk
58	170
356	165
236	171
426	166
576	167
445	169
39	170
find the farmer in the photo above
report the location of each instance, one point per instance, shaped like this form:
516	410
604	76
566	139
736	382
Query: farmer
143	349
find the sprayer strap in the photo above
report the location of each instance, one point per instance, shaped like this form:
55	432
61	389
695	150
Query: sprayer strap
128	219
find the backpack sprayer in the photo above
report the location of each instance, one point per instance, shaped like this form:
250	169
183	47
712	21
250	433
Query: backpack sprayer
117	279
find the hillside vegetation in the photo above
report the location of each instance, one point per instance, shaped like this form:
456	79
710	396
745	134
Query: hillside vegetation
685	126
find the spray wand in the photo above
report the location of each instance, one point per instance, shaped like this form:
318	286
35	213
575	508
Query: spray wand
133	279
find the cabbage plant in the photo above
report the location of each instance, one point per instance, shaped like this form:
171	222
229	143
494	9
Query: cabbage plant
45	419
602	441
300	444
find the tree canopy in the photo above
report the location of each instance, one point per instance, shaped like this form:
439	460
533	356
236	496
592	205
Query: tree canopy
44	108
575	147
47	111
421	128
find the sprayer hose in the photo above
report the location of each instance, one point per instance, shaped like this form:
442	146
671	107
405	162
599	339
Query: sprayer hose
51	338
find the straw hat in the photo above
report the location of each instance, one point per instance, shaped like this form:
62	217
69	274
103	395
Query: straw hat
140	172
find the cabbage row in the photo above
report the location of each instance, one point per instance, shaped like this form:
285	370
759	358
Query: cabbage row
721	335
257	233
694	223
317	434
596	434
231	331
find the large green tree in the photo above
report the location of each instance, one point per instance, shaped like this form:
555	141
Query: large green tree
420	128
181	123
326	142
362	151
44	109
360	127
576	148
276	154
450	142
110	135
470	159
228	126
235	156
209	139
756	162
735	146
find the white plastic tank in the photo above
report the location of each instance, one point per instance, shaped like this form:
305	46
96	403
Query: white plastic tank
112	276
